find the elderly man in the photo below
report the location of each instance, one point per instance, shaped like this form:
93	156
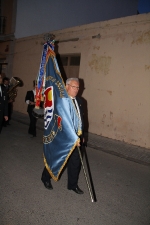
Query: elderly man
3	103
74	162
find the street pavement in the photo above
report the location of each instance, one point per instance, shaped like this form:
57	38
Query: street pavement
121	187
118	148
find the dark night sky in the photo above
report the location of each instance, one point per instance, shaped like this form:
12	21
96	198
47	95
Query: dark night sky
144	6
36	16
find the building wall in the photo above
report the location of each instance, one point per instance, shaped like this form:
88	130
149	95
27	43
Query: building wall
8	10
115	68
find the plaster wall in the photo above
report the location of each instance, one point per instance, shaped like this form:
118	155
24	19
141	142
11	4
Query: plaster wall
115	67
7	12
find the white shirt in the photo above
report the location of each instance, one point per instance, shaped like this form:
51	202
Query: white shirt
28	101
0	90
77	106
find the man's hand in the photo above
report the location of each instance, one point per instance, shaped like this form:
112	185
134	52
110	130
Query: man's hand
78	144
6	118
84	143
31	103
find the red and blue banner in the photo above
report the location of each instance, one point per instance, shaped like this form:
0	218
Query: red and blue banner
62	125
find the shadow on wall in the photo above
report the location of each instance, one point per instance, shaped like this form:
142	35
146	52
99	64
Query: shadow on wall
85	105
62	71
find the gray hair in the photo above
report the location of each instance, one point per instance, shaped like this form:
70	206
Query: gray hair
70	79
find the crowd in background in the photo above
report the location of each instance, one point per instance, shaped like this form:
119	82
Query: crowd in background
7	96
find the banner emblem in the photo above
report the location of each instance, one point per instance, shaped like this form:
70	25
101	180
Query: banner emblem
49	106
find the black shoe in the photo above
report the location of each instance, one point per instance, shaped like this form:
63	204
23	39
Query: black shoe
33	136
76	190
47	184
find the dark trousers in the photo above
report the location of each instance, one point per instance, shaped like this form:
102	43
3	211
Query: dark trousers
10	106
5	123
1	122
73	169
32	125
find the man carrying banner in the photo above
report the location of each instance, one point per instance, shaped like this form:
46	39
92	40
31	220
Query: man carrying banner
74	162
63	121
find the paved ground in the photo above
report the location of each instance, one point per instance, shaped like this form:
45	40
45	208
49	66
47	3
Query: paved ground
122	187
118	148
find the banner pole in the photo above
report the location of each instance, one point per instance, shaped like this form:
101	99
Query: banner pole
88	185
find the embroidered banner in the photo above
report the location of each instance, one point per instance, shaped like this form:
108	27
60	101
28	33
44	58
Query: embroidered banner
61	122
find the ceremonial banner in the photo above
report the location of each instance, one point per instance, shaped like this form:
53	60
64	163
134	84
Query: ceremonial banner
62	125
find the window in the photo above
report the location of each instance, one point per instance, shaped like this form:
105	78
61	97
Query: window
69	65
75	61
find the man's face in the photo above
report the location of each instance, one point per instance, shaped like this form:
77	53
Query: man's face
72	88
1	79
6	82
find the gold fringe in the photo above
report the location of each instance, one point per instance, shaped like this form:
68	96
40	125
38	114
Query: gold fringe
79	133
55	178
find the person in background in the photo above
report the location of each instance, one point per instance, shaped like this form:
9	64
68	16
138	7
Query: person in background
3	103
30	100
10	101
